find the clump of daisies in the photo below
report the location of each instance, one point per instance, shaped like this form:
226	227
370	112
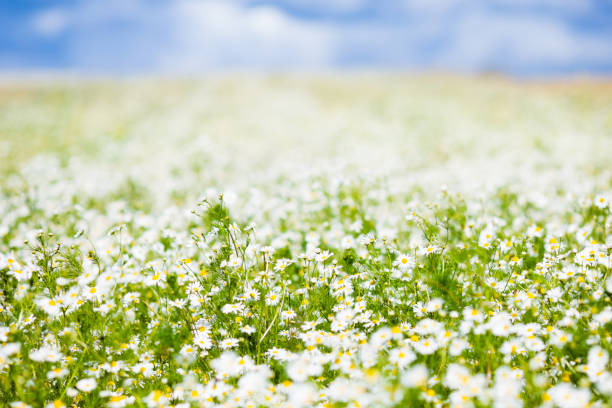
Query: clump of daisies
330	289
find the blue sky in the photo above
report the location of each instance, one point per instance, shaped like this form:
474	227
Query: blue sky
521	37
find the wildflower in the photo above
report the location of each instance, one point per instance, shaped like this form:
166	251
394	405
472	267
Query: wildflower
560	338
21	273
248	329
251	294
415	376
86	384
272	298
568	396
426	346
402	356
19	404
538	361
347	242
233	262
235	308
58	372
555	294
282	264
457	346
322	256
288	315
404	262
118	400
46	353
430	250
228	344
145	369
157	399
471	314
535	231
600	201
52	307
486	237
434	305
506	245
302	368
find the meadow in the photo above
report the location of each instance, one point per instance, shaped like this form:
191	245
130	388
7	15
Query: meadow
305	241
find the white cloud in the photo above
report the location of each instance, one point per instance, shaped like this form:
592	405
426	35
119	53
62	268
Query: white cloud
492	40
445	6
216	34
191	36
432	6
565	5
333	6
50	22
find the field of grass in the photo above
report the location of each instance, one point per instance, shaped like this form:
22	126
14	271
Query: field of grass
298	241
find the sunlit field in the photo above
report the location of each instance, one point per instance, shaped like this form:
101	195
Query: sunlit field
299	241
